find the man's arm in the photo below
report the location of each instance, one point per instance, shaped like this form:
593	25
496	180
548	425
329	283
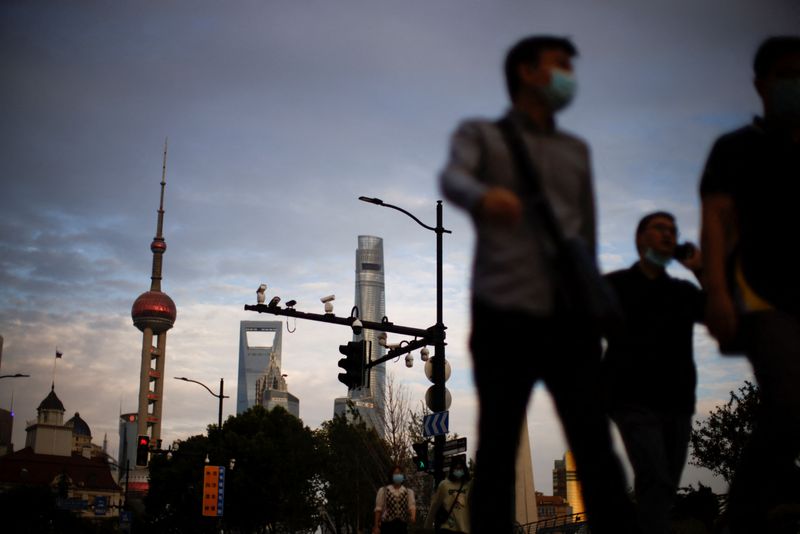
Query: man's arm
717	241
462	186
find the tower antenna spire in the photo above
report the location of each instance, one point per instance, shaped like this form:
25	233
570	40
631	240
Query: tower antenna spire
159	246
160	228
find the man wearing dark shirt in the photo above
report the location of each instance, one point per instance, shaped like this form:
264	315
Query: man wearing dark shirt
750	189
650	367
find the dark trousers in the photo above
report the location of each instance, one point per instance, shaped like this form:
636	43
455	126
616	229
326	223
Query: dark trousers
511	352
394	527
767	475
657	444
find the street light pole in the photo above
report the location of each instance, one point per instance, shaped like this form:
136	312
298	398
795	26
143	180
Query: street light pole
220	396
439	390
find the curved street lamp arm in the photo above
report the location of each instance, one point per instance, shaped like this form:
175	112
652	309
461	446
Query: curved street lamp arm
379	202
18	375
205	386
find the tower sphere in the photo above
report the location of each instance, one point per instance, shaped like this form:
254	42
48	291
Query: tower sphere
154	310
158	245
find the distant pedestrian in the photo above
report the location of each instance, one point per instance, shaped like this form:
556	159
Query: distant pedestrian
650	370
449	511
520	334
395	507
750	190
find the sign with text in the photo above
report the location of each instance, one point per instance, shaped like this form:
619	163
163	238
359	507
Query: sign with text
455	446
213	490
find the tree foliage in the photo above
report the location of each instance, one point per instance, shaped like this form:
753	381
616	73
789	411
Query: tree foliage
355	463
271	488
718	440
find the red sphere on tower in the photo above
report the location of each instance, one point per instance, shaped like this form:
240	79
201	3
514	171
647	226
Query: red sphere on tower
154	310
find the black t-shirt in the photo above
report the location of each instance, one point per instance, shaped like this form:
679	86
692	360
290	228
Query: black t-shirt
652	363
760	169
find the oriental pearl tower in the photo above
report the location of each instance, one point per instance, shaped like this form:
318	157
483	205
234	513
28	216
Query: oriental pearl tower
154	313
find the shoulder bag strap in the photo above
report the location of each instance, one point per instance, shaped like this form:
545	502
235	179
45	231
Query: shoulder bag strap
530	182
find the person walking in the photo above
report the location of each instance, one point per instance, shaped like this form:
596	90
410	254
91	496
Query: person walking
520	333
749	191
649	367
395	507
449	511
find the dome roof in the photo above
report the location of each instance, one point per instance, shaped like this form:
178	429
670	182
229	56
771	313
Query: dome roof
51	401
79	426
154	310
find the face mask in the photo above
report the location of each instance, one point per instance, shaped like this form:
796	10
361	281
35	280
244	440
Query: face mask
398	478
458	473
561	90
785	99
656	258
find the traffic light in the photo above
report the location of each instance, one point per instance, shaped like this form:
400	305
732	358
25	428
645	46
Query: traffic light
142	450
353	364
421	460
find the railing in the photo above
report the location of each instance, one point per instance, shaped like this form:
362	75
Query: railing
565	524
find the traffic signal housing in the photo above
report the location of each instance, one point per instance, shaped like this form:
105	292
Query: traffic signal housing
142	450
421	460
353	364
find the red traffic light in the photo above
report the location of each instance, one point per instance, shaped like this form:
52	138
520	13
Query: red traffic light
144	440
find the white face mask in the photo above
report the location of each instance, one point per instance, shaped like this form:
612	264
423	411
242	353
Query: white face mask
398	478
655	258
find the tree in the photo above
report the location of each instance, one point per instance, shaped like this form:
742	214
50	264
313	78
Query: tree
272	486
717	441
396	420
355	463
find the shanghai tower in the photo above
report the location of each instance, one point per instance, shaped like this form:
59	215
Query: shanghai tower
371	303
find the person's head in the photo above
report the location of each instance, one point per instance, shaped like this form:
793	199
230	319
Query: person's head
458	470
541	66
396	475
777	78
656	236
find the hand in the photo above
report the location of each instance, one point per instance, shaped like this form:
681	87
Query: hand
721	317
502	206
694	262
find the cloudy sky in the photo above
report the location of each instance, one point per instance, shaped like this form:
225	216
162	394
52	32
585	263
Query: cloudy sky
279	115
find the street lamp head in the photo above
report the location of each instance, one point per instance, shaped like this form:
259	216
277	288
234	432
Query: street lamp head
376	201
182	378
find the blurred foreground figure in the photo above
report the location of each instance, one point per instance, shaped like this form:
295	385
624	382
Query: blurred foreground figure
750	189
520	333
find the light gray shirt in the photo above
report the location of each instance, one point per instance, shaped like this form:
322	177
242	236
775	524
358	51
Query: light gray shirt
512	269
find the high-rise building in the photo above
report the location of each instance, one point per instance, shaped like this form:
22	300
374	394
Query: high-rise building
370	300
566	483
154	313
259	351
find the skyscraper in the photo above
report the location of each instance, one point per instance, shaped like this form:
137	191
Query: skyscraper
370	299
154	313
257	354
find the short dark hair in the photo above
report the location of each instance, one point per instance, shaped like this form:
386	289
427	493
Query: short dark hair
528	50
640	228
773	49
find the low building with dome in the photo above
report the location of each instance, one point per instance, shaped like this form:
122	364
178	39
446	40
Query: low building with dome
62	457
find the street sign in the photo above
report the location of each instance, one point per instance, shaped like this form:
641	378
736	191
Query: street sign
455	446
100	505
435	424
213	490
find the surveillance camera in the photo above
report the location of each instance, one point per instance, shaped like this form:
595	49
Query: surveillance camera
382	339
260	293
327	299
409	360
357	326
291	303
424	354
274	302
